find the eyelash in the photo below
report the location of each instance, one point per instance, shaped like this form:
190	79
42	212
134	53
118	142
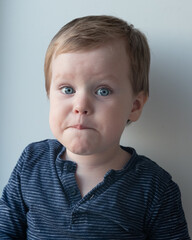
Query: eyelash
107	91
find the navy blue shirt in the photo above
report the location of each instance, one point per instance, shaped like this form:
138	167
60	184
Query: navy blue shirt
42	200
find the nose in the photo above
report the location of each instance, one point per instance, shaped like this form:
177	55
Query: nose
79	111
83	105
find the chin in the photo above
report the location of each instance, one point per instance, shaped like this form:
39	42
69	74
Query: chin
80	148
81	145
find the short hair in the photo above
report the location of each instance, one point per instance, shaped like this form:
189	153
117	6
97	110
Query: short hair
90	32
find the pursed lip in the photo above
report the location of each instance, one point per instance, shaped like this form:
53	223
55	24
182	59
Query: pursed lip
79	127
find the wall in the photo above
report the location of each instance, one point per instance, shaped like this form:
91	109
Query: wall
164	131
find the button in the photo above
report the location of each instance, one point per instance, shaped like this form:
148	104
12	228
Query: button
74	218
73	191
70	168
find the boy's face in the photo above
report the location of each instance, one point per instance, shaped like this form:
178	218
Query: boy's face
91	99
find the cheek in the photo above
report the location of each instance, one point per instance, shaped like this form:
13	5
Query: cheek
59	115
53	120
119	113
113	122
55	116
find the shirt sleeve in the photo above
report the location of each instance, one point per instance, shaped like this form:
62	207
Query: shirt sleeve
167	220
12	207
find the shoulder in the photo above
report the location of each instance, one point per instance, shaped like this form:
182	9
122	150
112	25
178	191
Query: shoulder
157	178
45	147
148	175
144	166
37	153
151	169
150	182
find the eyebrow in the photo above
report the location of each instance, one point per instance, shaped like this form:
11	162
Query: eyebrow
60	76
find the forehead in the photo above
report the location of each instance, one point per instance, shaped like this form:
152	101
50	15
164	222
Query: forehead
110	57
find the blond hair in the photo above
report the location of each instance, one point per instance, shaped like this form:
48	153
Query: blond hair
90	32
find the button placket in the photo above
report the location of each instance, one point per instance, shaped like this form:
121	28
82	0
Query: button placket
69	183
74	218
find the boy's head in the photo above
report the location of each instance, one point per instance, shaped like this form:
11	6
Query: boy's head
91	32
96	71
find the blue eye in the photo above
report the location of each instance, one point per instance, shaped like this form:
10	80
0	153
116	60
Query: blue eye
67	90
103	92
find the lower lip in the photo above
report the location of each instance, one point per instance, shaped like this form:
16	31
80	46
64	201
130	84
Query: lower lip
79	127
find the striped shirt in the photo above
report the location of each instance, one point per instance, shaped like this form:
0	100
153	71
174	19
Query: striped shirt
42	200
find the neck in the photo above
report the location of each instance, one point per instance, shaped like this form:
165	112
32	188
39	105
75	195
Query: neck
91	169
114	158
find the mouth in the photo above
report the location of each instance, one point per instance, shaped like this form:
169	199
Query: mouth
79	127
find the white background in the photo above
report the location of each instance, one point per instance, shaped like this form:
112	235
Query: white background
164	131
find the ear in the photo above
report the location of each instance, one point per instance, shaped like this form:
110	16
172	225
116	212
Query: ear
138	103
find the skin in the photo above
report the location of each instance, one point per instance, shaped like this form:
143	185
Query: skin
91	99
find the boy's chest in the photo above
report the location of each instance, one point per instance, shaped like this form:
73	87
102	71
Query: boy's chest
84	221
79	224
57	210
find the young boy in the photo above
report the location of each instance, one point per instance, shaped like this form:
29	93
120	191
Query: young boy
84	185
